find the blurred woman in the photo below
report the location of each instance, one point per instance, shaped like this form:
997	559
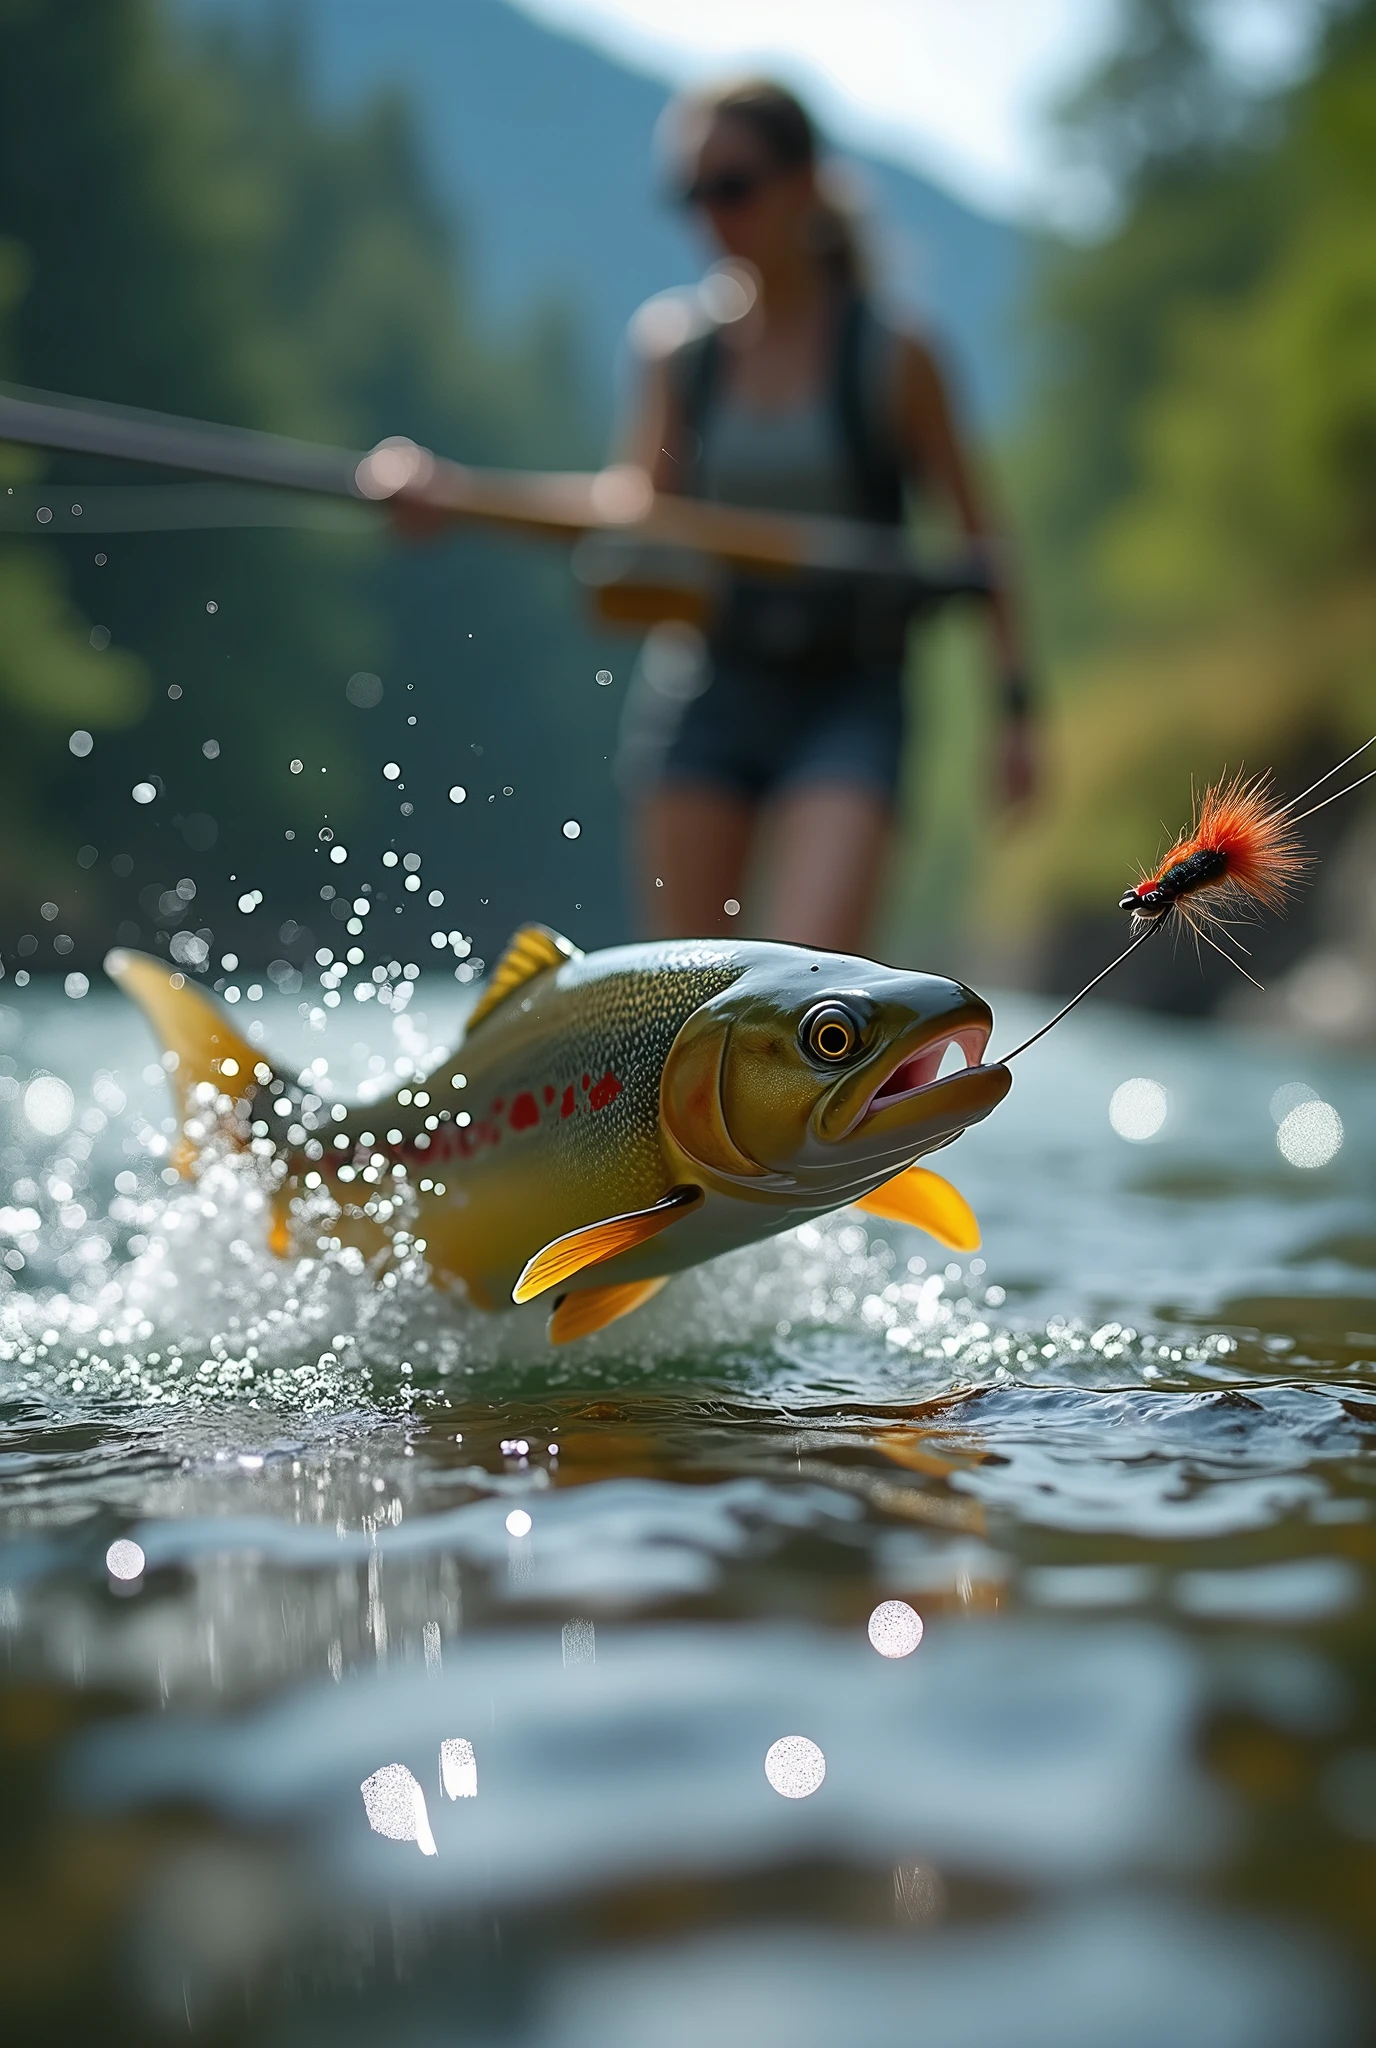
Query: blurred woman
807	402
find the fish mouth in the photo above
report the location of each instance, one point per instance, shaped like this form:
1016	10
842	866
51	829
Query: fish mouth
901	1098
918	1073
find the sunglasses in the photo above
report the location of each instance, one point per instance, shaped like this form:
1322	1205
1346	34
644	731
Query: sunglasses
728	189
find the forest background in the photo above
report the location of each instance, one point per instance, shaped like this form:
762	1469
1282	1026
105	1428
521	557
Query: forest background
1188	450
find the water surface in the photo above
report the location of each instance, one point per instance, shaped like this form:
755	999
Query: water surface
348	1759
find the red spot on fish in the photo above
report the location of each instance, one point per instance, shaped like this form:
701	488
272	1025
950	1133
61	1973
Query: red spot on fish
607	1090
566	1106
525	1111
549	1094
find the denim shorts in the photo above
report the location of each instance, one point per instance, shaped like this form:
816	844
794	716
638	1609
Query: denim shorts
757	733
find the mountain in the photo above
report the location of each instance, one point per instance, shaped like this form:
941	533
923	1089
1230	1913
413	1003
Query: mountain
542	148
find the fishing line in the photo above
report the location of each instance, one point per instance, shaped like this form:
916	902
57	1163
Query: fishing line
1327	776
1334	798
1065	1011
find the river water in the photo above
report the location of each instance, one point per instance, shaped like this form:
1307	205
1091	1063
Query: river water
435	1702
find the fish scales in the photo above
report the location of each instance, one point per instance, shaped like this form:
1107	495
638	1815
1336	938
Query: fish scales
625	1114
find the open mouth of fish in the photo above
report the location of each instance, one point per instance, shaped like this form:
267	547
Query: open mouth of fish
919	1073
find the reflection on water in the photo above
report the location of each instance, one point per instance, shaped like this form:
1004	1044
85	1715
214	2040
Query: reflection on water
795	1767
297	1559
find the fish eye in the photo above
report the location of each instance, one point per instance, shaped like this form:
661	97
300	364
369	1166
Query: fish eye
830	1033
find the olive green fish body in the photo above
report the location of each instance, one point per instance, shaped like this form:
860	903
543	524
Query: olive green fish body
720	1093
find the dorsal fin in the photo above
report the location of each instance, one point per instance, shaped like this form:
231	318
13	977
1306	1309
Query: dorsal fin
529	952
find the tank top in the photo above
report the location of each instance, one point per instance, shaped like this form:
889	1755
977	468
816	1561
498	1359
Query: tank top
835	454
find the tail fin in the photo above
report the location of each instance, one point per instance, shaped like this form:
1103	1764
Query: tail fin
207	1047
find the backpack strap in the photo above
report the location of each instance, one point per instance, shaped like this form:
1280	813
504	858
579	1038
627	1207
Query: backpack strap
695	370
868	439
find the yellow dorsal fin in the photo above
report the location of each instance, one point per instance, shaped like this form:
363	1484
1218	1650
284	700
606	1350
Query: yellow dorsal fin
529	952
569	1254
592	1308
207	1046
919	1196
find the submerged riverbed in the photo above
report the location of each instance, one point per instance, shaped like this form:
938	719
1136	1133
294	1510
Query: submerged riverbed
372	1672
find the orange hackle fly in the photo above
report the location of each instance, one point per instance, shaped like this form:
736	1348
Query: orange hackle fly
1241	854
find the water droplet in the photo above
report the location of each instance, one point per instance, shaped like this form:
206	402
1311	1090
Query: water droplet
211	749
518	1523
572	828
604	676
731	907
143	792
339	853
391	770
211	605
43	514
457	794
76	985
296	766
100	638
80	743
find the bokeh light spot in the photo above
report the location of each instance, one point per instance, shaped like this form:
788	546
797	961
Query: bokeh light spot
48	1104
794	1766
1288	1096
1310	1135
1137	1109
458	1768
125	1560
895	1628
395	1806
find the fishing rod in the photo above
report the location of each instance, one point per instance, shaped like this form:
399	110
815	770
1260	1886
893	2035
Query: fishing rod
643	555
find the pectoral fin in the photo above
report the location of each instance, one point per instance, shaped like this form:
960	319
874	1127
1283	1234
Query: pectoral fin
919	1196
592	1308
568	1255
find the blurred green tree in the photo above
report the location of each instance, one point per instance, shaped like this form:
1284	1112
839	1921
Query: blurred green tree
187	231
1198	480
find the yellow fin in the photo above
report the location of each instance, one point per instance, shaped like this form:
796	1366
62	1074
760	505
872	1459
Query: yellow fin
529	952
592	1308
568	1255
207	1046
919	1196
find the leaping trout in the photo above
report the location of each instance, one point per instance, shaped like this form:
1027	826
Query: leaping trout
612	1118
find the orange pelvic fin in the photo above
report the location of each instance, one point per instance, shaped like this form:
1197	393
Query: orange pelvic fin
919	1196
568	1255
592	1308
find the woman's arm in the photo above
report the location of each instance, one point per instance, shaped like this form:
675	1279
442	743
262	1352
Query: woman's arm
932	447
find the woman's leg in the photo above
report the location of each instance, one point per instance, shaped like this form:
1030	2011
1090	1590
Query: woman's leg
828	841
693	846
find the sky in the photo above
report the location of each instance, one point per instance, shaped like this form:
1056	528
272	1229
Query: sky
958	89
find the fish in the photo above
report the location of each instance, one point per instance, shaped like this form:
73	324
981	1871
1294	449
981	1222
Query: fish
610	1118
